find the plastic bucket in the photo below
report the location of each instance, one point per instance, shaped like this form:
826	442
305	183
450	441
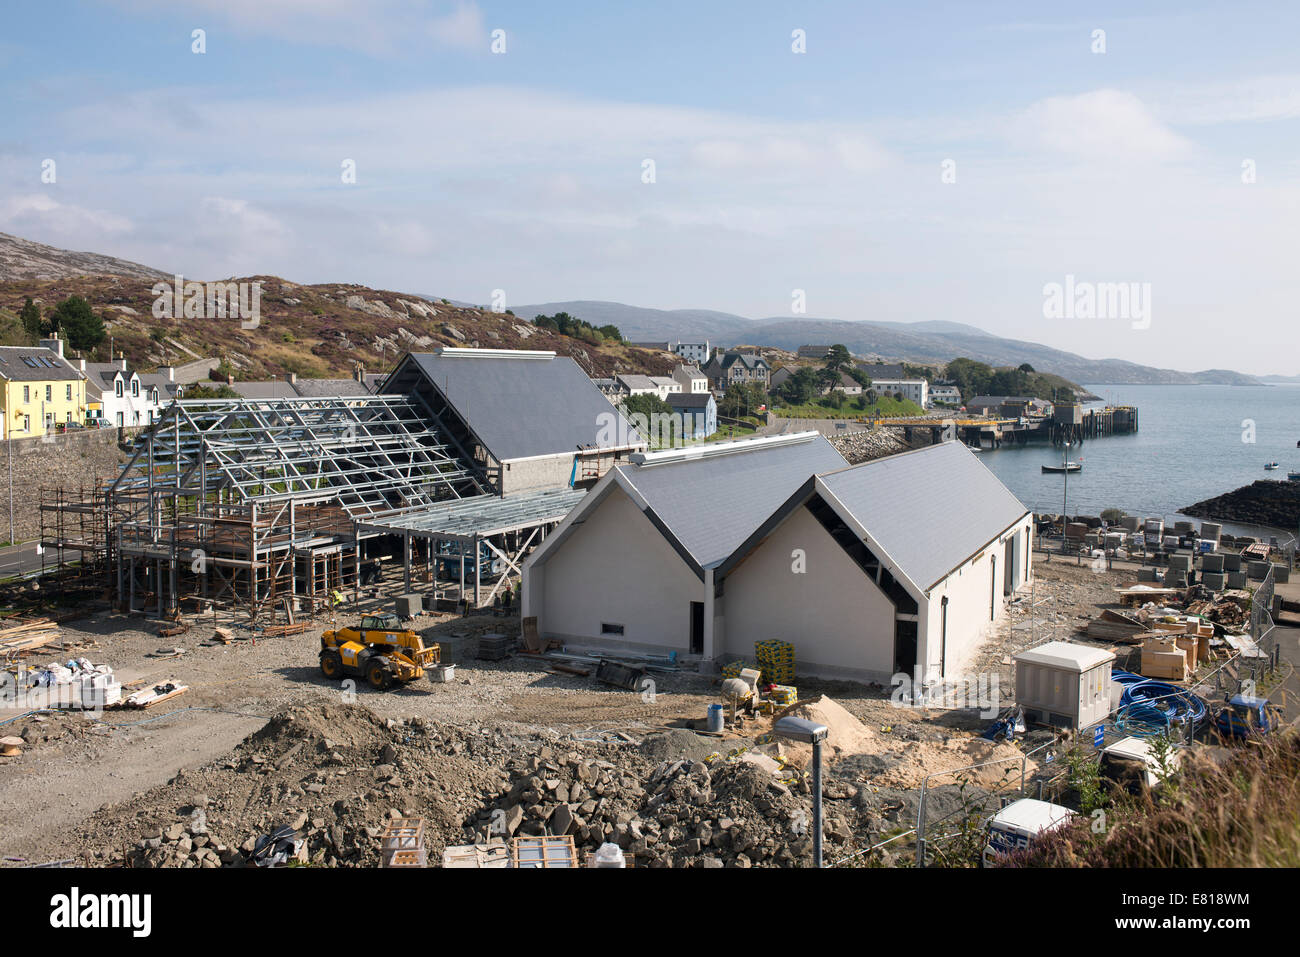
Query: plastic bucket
715	721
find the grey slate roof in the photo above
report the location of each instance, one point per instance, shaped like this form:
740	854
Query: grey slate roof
521	407
711	505
44	365
328	388
930	509
689	400
273	389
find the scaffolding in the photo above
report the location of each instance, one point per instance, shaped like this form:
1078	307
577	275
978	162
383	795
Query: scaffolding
245	502
252	503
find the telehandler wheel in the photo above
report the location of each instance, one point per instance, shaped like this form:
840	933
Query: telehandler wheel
378	675
331	664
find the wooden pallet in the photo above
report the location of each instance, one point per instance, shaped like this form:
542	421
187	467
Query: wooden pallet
551	852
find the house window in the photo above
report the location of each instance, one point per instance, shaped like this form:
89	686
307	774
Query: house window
49	393
135	386
609	629
27	393
69	391
27	423
117	388
153	396
69	418
119	418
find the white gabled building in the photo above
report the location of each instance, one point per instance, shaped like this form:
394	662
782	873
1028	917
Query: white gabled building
896	565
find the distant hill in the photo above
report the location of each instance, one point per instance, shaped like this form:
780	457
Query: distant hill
929	342
24	259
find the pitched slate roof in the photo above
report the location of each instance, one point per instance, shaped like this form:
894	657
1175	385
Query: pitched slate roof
714	502
522	406
930	509
33	364
689	400
328	388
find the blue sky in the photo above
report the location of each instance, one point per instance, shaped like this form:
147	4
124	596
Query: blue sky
774	171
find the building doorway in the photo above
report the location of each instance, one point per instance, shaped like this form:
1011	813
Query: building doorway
904	647
697	627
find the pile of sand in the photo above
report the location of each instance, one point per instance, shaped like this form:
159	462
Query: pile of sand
908	762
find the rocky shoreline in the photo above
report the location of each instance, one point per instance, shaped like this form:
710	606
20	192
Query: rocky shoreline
1264	502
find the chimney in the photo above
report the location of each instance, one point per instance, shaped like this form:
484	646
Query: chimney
54	344
361	372
81	364
291	378
122	358
230	379
171	372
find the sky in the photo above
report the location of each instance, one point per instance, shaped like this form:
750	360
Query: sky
898	162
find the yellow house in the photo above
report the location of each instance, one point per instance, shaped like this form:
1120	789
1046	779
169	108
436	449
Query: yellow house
39	390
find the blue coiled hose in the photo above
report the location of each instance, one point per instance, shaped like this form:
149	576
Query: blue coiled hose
1148	707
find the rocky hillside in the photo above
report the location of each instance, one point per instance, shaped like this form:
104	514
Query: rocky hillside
314	331
24	259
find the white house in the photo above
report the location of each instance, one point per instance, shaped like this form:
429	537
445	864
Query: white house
896	565
126	397
691	379
695	353
914	390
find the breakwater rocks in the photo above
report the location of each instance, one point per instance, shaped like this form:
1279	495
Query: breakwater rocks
1261	503
871	444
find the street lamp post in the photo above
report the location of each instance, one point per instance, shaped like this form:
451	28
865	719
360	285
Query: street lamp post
798	729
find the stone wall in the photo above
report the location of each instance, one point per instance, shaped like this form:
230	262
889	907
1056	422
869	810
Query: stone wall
68	460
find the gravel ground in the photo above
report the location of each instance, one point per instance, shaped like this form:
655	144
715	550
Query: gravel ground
85	788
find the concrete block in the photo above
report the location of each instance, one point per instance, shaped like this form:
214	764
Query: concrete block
1237	579
1147	575
1175	578
410	606
1212	562
1129	522
1215	581
1231	562
1257	570
1211	530
1181	561
1281	573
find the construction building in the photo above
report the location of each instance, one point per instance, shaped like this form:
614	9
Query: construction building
455	469
896	565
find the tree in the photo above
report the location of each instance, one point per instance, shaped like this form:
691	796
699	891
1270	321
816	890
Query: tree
1026	367
207	392
800	388
78	323
838	359
971	377
30	316
741	399
647	404
610	332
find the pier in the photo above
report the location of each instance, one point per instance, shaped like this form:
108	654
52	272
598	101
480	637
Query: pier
1070	422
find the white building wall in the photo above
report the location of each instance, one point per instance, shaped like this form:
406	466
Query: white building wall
840	623
615	567
968	593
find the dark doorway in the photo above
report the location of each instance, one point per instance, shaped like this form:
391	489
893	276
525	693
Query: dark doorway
993	587
904	647
1009	561
697	627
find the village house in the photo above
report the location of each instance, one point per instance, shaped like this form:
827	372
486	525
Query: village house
39	389
729	368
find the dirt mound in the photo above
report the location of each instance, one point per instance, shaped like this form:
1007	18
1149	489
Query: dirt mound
845	733
677	743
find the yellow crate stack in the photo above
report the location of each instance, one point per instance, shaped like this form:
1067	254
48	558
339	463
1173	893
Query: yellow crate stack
734	669
776	661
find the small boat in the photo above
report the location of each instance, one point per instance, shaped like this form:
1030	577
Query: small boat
1293	476
1270	466
1063	467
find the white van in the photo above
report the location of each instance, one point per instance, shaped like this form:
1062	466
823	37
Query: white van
1017	824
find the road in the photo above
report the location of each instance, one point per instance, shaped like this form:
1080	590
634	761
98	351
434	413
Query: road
19	559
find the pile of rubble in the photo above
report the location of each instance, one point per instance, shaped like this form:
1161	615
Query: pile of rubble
679	813
868	444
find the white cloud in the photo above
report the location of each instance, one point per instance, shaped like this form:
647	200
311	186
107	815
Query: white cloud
1101	124
375	27
40	212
